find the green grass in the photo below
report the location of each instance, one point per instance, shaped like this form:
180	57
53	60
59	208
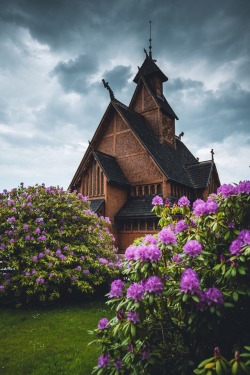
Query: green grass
49	341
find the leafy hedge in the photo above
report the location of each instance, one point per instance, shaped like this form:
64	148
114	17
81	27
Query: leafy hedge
52	244
183	292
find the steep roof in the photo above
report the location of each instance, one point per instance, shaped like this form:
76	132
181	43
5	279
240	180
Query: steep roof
110	168
149	67
200	173
169	159
95	204
136	207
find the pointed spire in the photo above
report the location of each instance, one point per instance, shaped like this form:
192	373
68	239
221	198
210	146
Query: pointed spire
150	40
106	85
212	153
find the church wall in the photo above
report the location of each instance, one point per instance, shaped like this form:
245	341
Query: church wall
126	143
106	145
139	168
120	124
115	198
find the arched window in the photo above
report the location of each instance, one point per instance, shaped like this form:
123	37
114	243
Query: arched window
91	183
146	190
140	191
152	189
87	184
102	183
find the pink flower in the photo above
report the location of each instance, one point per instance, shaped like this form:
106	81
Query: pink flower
157	201
183	201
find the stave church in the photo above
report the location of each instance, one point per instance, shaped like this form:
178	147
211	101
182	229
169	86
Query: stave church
135	155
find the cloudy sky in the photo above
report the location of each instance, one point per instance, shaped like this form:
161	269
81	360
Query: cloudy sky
54	54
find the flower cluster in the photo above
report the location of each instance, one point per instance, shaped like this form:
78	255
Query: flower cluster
167	237
193	248
144	253
157	201
189	282
117	288
153	285
135	291
133	317
183	201
103	324
242	239
205	208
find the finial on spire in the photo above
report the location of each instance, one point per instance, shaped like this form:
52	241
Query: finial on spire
150	40
212	153
106	85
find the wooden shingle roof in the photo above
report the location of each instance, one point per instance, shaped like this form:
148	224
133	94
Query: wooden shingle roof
110	168
149	67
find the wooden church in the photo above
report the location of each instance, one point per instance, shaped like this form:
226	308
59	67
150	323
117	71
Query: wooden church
135	154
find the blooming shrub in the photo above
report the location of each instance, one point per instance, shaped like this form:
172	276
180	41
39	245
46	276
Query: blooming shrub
173	307
52	244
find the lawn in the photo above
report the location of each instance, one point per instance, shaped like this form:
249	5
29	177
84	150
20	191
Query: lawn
49	341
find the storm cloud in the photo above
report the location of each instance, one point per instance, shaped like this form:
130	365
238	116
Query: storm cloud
54	55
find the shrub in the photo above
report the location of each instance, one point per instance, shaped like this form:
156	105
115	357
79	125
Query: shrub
183	291
51	244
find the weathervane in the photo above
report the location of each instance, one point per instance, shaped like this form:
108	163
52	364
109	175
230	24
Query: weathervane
106	85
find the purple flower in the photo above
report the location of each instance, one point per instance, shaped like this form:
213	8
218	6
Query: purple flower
145	353
103	324
12	240
243	187
62	257
154	285
103	260
2	287
86	272
11	219
226	190
167	237
189	282
133	317
40	280
33	272
135	292
130	253
183	201
41	255
149	240
193	248
245	236
147	253
78	268
37	230
177	258
118	364
200	208
231	225
103	360
58	251
73	278
27	238
211	207
213	296
235	247
181	226
41	238
25	227
34	258
116	290
157	201
47	251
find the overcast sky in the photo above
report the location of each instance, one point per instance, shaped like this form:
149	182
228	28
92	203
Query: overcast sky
54	54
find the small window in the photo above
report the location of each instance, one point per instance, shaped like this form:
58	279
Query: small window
128	225
140	191
142	225
152	190
146	190
159	189
135	225
150	224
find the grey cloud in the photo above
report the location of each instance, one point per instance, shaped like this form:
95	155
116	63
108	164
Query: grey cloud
74	75
118	77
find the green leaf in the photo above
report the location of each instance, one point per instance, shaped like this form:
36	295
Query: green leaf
218	367
185	297
235	296
133	330
235	368
203	363
196	299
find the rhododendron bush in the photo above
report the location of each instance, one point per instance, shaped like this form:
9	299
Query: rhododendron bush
51	244
183	292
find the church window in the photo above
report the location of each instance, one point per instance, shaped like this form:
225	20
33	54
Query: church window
102	183
159	189
142	225
140	191
90	183
98	181
128	225
152	189
150	224
146	190
87	184
135	224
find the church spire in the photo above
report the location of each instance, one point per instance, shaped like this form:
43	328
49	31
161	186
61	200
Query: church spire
150	40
